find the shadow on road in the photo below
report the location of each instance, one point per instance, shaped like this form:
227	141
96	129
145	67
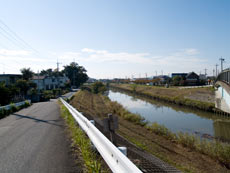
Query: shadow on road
39	120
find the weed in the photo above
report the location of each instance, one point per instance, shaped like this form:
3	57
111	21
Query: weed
80	140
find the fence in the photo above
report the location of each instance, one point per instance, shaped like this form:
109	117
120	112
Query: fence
224	76
116	160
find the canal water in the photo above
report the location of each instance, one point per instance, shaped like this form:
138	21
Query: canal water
176	118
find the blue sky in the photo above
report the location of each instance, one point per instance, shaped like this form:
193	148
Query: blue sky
116	38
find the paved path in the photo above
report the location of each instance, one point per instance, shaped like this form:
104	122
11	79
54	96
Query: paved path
69	94
34	140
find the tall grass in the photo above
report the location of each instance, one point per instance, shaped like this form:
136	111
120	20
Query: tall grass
215	149
119	110
80	140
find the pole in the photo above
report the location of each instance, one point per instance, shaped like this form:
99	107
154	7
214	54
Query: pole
216	69
205	71
221	61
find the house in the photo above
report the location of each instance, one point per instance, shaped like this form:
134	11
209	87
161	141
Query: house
192	79
163	78
183	75
50	82
10	78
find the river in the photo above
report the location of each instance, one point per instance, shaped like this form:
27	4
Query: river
176	118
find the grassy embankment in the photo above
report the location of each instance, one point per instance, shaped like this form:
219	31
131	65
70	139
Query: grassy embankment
4	113
80	141
200	98
185	152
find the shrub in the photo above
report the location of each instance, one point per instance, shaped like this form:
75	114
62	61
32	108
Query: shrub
87	88
13	107
98	87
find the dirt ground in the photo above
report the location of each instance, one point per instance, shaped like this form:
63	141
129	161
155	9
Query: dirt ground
174	154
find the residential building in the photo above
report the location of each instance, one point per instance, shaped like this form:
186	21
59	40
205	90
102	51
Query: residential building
10	78
192	79
48	82
183	75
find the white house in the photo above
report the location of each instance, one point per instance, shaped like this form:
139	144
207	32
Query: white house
47	83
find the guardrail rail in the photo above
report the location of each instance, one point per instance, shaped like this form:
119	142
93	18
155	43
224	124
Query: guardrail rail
114	158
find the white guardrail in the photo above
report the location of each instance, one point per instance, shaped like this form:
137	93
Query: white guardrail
115	159
7	107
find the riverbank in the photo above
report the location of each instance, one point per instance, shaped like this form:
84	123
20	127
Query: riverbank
199	98
133	128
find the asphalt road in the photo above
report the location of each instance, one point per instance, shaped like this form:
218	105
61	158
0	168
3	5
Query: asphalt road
34	140
69	94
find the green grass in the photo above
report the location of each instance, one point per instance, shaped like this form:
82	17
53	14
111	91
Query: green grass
81	141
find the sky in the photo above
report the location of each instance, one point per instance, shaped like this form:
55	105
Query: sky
115	38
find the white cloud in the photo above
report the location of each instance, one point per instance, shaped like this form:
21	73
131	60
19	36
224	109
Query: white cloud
191	51
5	52
104	63
100	56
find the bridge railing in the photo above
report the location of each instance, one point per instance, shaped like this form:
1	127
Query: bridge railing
224	76
114	158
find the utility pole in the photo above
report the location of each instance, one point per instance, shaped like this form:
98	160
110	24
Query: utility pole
205	71
156	73
162	72
146	75
221	62
213	72
216	69
58	73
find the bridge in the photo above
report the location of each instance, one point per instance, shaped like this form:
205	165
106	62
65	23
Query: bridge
223	93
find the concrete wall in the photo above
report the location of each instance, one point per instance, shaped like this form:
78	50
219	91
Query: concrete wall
223	99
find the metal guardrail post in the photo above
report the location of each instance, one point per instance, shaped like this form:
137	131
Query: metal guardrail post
114	158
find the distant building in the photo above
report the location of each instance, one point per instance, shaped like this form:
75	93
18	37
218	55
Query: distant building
48	83
202	77
163	78
91	80
192	79
10	78
183	75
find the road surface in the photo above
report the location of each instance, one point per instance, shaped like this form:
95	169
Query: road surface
34	140
69	94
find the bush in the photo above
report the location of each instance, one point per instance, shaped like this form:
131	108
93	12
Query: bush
87	88
98	87
13	108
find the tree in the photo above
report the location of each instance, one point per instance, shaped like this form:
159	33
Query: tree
76	74
47	72
178	81
4	94
23	85
27	73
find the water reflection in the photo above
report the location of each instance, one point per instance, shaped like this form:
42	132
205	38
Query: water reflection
176	118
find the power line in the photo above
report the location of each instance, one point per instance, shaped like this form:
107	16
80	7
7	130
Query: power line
19	38
11	38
